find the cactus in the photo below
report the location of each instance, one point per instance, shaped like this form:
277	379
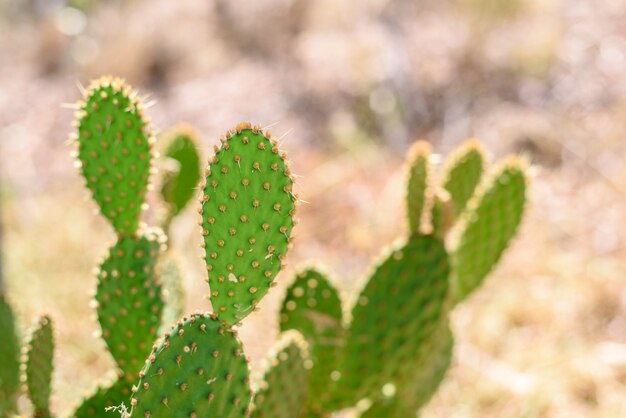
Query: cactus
183	168
281	390
395	314
197	370
37	366
128	297
417	183
491	221
312	306
110	395
114	151
9	352
247	217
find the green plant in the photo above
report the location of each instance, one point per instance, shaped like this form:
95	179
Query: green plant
9	352
37	366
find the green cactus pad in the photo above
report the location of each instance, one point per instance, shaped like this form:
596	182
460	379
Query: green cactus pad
397	311
10	355
38	365
181	151
198	370
105	397
129	301
247	217
281	391
463	173
418	178
115	150
171	280
312	306
490	222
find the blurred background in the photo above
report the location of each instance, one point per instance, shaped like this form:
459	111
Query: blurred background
351	84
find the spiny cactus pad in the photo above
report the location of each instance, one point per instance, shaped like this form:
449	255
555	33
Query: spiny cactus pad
418	178
38	365
247	217
312	306
107	396
114	150
10	354
397	311
490	222
129	301
463	173
281	391
197	370
180	184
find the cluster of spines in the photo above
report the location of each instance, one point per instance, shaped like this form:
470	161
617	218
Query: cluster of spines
37	366
247	216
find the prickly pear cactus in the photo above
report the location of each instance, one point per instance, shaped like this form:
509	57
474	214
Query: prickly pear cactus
397	311
490	222
10	351
442	214
248	206
183	162
418	178
463	173
114	151
197	370
111	395
312	306
37	366
128	297
281	391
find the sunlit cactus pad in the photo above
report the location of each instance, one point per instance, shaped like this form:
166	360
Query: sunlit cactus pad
247	217
417	183
114	150
198	370
37	364
463	173
398	310
312	306
281	392
128	297
114	395
491	221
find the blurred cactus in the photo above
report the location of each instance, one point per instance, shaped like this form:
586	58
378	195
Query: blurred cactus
38	365
10	354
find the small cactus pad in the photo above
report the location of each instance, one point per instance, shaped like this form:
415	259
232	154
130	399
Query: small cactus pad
490	222
129	301
38	366
197	370
10	355
181	153
418	178
105	397
463	173
114	150
281	391
312	306
397	311
247	217
171	281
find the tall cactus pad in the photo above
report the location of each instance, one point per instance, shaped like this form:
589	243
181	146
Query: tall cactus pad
108	396
398	310
114	149
181	151
463	173
247	217
198	370
282	390
418	166
491	221
10	355
38	366
312	306
129	301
